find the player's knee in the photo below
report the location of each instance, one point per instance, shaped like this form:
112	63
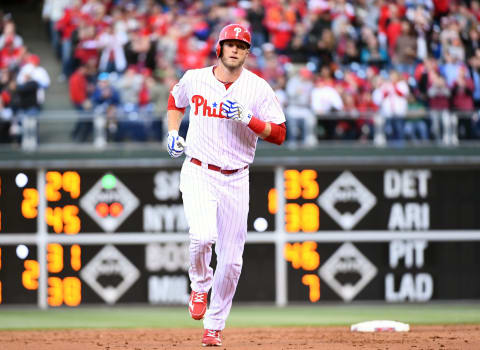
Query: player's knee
200	244
233	270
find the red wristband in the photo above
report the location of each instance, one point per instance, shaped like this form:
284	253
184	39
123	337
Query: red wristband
257	125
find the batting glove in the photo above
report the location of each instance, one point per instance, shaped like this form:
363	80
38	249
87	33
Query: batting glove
233	110
175	144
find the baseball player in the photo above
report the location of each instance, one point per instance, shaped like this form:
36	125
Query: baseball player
230	107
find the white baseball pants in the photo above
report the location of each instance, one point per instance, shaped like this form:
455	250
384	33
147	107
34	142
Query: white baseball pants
216	208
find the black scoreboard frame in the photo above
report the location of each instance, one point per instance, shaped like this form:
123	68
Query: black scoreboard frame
279	262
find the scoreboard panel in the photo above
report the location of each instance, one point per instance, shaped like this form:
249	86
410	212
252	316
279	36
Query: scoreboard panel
148	200
18	201
393	199
111	201
155	273
395	271
19	272
381	202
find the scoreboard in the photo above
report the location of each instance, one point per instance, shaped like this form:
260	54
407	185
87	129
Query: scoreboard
119	235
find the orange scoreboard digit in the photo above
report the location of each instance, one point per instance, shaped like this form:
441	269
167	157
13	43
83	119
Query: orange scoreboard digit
302	213
66	185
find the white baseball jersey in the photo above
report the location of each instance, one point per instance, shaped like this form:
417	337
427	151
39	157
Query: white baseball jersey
212	138
216	204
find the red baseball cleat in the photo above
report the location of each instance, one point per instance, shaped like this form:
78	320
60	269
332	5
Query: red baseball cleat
197	305
211	338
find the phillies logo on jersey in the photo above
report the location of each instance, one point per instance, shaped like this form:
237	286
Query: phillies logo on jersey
201	107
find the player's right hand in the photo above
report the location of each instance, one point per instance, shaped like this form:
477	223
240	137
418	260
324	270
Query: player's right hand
175	144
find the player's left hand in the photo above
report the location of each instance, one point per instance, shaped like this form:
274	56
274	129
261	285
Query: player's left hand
232	109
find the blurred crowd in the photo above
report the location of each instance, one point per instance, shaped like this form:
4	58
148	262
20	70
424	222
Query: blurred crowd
341	69
23	81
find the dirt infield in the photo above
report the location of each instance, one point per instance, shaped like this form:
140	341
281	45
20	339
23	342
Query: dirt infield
464	337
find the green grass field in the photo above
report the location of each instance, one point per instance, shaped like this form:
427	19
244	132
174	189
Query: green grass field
241	316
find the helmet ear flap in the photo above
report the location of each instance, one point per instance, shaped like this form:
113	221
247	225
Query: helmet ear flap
218	49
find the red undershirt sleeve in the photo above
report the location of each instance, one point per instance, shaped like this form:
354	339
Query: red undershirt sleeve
397	90
277	132
172	106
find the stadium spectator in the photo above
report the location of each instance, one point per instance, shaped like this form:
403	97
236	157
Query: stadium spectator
9	37
192	52
416	128
139	50
24	104
86	47
66	27
297	50
471	42
350	53
6	112
280	19
128	86
159	91
405	49
434	46
462	104
300	117
325	99
391	96
11	56
438	104
52	12
106	100
474	72
79	96
256	17
78	89
366	108
323	48
27	91
342	14
32	68
137	107
371	53
270	66
112	54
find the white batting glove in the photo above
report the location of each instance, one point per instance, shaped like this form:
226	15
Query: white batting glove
233	110
175	144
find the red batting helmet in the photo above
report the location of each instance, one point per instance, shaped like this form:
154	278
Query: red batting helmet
233	32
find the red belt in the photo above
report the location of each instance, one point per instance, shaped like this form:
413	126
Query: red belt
217	168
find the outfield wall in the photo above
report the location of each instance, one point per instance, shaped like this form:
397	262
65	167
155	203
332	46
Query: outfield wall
114	232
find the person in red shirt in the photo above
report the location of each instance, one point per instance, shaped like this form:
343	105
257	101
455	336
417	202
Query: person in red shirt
193	53
280	21
78	88
67	25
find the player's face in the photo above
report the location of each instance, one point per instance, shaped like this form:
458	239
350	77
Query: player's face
234	53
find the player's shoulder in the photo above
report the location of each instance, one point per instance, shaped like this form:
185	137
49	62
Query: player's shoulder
197	72
255	80
252	76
